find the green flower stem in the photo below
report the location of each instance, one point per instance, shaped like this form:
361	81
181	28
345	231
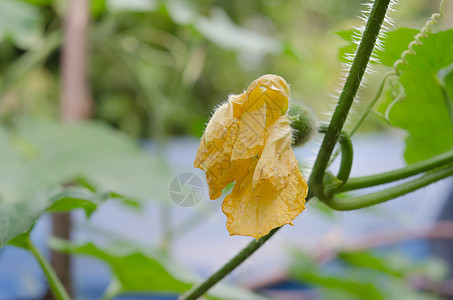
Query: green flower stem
347	153
350	88
388	194
366	112
370	106
202	288
448	103
55	284
407	171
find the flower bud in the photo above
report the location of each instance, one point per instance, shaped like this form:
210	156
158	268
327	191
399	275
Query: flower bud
302	122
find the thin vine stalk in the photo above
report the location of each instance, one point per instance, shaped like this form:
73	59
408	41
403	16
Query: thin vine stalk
398	174
55	284
366	112
343	204
370	106
203	287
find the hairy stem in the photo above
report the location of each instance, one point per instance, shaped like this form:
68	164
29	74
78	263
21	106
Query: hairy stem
55	284
388	194
350	88
370	106
394	175
366	112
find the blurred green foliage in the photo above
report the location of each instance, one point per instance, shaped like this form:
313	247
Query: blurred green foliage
138	270
159	68
18	217
368	275
93	161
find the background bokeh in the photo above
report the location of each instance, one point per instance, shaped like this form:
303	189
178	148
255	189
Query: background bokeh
159	68
156	72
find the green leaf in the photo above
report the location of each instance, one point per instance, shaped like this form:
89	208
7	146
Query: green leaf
97	8
365	275
362	290
394	43
40	2
21	240
73	198
146	271
135	271
62	201
423	112
395	264
18	217
349	48
304	269
38	156
21	22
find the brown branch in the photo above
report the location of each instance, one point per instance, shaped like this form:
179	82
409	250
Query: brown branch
330	247
61	262
76	104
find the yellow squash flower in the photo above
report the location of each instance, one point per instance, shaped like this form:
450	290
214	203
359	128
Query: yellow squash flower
248	141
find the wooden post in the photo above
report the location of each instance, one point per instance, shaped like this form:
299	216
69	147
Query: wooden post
76	104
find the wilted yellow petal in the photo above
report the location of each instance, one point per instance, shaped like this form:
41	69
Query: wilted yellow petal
274	165
248	140
265	100
214	154
251	133
223	118
271	90
255	212
214	158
